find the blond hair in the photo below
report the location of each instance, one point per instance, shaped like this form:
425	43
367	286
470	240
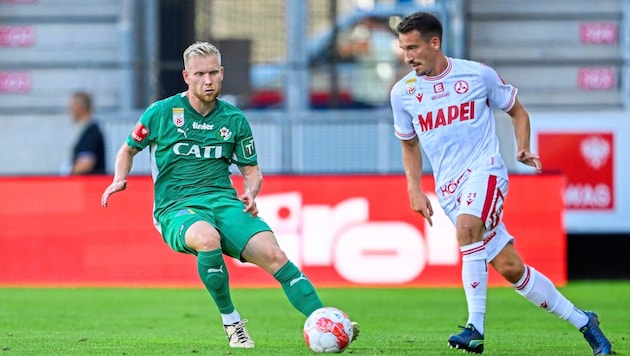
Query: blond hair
201	49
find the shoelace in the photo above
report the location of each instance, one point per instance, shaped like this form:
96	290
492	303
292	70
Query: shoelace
239	330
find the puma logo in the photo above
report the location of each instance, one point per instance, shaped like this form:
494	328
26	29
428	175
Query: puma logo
215	270
294	281
183	132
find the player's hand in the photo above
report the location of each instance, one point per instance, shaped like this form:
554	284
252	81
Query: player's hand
421	204
115	187
530	159
250	204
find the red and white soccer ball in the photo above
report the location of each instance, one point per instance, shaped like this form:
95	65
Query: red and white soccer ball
328	330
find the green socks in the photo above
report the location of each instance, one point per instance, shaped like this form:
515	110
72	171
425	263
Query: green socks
296	286
214	275
298	289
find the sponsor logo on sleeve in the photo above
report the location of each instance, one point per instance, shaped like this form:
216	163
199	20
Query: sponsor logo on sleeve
248	148
140	132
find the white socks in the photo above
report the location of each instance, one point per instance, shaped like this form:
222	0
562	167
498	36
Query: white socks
539	290
475	280
232	318
533	285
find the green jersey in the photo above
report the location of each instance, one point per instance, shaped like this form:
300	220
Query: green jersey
191	154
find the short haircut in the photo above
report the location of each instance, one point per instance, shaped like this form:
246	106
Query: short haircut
84	99
201	49
426	23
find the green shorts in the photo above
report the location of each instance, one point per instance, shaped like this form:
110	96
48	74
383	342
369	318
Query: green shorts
223	211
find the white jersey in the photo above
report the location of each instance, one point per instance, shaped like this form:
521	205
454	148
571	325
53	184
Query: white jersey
451	114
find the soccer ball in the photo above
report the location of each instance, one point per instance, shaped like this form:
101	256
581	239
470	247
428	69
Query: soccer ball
328	330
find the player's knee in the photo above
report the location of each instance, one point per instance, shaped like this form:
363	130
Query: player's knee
468	234
273	260
277	257
203	240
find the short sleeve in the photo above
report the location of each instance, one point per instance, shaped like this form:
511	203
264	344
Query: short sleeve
140	137
244	147
403	121
500	94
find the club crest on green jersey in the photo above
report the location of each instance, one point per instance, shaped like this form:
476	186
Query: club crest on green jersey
178	117
224	133
178	120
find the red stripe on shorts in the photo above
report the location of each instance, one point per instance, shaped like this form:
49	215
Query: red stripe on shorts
492	186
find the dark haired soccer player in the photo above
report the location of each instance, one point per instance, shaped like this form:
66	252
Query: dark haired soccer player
444	106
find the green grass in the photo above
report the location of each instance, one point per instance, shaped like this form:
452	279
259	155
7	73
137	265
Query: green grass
103	321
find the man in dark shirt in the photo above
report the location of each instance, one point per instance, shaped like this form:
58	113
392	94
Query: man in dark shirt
88	153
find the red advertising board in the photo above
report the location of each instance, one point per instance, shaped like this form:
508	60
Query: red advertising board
341	230
15	82
17	36
598	33
588	161
598	78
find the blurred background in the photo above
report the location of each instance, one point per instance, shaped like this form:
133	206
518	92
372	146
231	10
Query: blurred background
297	68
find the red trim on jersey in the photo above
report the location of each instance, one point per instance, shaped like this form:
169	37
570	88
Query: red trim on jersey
405	135
492	186
512	101
527	278
441	75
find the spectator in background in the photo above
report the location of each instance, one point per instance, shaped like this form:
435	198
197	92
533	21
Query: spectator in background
88	152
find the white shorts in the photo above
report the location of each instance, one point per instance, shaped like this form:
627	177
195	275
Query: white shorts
482	195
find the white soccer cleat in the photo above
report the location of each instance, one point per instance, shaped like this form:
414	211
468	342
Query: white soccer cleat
237	335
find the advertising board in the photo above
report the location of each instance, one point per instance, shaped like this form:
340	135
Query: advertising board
341	230
590	150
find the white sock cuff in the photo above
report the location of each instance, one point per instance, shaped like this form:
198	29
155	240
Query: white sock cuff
474	251
231	318
526	283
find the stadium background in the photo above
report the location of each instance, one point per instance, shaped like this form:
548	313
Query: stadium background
571	65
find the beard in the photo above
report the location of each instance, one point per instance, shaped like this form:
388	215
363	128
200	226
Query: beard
207	97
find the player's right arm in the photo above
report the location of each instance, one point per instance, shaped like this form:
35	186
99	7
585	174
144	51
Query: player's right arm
411	154
412	163
122	167
137	140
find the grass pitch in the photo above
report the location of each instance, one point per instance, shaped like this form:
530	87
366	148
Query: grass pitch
110	321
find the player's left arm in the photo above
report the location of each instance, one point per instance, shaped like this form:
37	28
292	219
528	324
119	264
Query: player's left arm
522	131
503	95
252	181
